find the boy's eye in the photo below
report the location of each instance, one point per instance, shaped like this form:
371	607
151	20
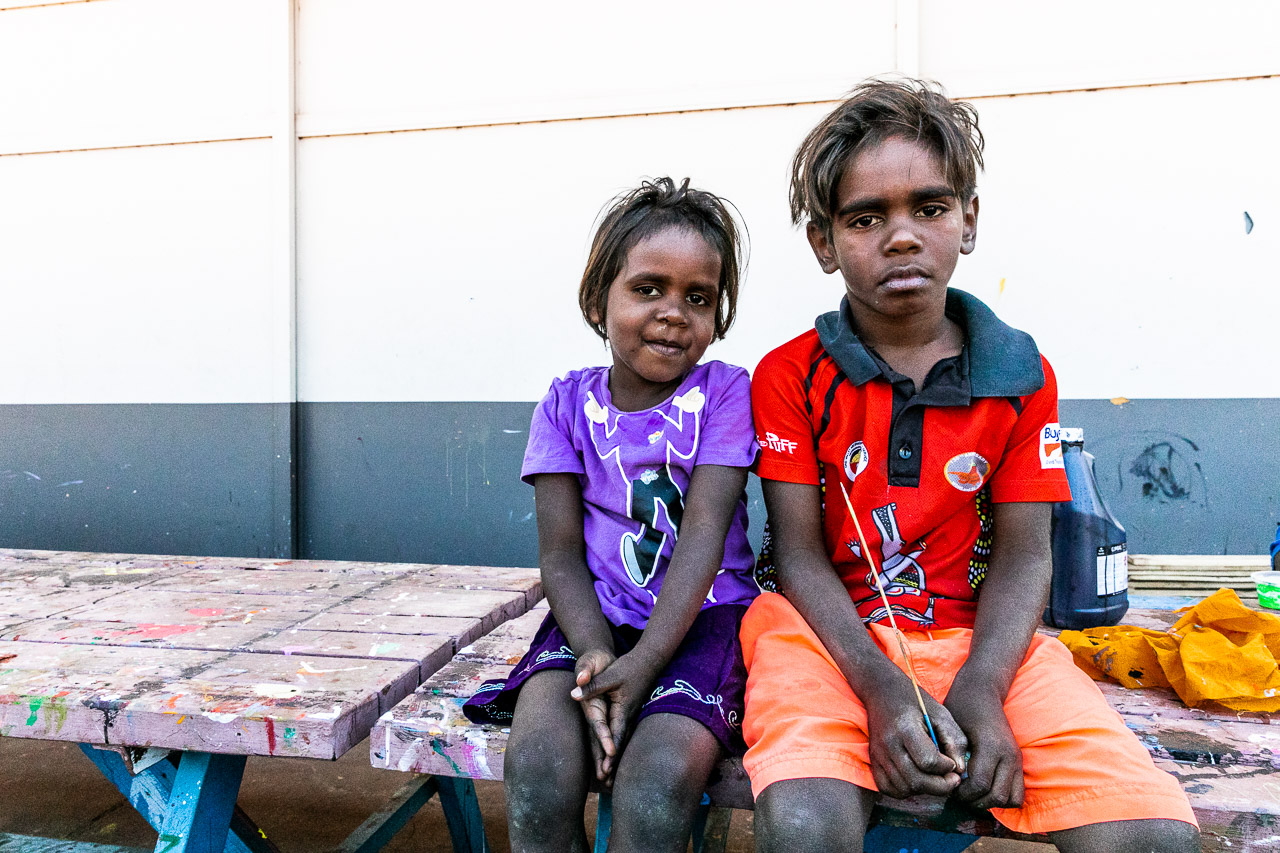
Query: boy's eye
646	290
933	210
865	221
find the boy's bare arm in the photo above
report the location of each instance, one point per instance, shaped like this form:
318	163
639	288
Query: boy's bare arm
904	760
1009	609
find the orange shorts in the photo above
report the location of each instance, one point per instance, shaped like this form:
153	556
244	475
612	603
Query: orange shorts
1080	764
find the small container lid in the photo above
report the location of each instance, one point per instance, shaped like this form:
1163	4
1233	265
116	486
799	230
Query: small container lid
1272	578
1072	435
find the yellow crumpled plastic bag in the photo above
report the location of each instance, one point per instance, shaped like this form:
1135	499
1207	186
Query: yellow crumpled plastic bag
1218	651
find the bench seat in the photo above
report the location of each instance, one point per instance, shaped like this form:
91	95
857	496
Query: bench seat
1227	762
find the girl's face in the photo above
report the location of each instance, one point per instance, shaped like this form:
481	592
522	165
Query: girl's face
660	315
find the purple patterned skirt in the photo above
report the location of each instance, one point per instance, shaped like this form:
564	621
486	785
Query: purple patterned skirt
704	680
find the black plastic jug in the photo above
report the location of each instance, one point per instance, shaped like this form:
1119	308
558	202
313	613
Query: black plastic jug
1090	556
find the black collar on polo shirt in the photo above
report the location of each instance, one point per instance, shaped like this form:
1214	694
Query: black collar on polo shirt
1003	361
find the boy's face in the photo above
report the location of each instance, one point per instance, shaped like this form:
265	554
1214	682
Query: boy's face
897	230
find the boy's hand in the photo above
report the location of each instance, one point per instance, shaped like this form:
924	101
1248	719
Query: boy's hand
995	763
604	749
623	684
904	761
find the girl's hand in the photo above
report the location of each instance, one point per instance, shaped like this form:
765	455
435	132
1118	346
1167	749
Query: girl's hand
604	749
623	685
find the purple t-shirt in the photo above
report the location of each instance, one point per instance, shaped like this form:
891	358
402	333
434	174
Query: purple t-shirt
635	469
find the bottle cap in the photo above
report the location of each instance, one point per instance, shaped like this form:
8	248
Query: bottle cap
1072	435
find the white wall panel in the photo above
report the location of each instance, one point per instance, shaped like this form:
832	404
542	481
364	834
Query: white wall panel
126	72
1001	46
137	275
407	63
1117	222
444	265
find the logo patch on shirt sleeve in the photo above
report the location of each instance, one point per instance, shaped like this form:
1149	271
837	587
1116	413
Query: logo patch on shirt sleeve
772	441
855	460
967	471
1051	446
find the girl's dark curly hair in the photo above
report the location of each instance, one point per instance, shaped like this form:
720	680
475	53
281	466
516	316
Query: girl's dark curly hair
644	211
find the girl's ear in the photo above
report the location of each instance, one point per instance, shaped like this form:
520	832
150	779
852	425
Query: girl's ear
822	249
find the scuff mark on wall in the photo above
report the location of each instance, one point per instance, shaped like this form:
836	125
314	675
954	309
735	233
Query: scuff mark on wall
1168	470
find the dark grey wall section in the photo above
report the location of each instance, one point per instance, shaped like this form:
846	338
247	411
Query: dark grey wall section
1186	476
439	482
210	480
422	482
415	482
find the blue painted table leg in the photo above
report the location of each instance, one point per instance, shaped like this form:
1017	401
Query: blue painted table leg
604	821
462	814
896	839
200	804
148	792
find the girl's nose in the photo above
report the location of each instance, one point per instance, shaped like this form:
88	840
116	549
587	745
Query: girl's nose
671	311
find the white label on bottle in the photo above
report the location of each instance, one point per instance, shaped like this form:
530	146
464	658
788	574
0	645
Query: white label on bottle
1113	569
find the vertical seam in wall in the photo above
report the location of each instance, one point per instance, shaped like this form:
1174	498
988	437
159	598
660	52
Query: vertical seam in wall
906	33
284	299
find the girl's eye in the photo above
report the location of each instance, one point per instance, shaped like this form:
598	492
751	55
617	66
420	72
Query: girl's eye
646	290
699	299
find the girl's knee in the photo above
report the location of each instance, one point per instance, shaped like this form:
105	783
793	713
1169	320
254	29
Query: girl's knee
543	772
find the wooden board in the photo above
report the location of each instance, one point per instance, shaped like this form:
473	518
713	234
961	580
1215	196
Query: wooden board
1228	763
228	655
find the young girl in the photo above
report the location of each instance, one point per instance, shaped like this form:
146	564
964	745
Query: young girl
636	677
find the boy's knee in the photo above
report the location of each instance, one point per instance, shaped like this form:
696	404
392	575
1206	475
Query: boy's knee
811	815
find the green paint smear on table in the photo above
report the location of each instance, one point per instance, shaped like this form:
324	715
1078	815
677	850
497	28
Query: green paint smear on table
57	717
170	841
435	746
36	702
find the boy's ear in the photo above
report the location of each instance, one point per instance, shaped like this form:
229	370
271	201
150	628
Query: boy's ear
969	235
822	248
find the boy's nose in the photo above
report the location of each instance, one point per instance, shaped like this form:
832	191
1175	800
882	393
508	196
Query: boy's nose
903	237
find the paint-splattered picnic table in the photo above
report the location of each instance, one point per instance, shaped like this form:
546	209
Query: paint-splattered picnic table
170	671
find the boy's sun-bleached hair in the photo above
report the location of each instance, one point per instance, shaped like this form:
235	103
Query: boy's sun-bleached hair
877	110
644	211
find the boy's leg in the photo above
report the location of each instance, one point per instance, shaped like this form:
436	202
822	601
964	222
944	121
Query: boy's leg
1089	782
812	815
660	781
1129	836
546	767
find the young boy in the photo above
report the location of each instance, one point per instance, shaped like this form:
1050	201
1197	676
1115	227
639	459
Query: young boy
939	420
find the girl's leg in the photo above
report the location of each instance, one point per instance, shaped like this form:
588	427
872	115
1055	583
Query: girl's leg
659	784
547	767
801	815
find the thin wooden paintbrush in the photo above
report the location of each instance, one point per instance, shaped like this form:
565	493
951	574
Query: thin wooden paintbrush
902	646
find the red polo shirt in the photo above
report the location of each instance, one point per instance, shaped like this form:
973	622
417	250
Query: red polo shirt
922	466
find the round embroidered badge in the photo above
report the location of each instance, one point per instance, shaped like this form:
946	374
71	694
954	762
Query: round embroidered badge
855	460
967	472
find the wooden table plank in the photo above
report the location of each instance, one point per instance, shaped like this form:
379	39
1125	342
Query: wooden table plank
229	655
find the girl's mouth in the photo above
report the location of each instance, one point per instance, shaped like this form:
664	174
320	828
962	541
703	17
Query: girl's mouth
665	347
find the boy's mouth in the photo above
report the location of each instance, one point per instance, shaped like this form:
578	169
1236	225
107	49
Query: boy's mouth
905	278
